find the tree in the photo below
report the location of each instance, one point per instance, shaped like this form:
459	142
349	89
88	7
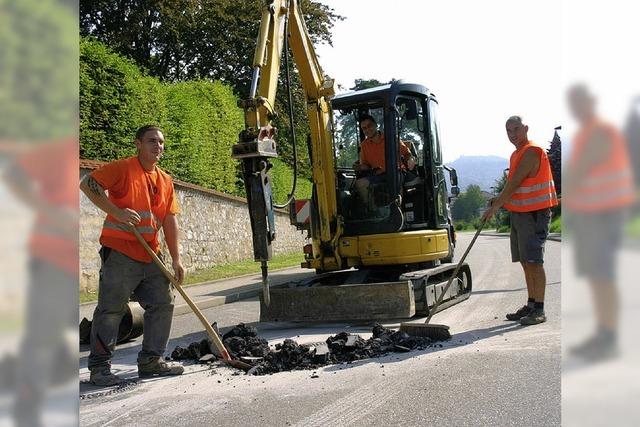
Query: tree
554	153
204	39
38	81
503	216
467	205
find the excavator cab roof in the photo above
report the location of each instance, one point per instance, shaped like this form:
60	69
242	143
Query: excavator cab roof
388	91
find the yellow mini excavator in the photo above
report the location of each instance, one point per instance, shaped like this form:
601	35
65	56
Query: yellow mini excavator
386	257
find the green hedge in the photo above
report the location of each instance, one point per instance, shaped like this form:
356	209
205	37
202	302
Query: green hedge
200	120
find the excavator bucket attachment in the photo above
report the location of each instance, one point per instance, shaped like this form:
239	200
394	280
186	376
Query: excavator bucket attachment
390	300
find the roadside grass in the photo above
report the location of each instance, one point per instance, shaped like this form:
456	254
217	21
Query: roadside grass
223	271
633	228
556	225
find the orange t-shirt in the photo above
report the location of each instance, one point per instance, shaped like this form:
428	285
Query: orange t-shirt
372	153
114	178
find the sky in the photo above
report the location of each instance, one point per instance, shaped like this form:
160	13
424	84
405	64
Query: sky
488	60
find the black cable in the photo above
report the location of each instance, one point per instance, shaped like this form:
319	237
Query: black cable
293	129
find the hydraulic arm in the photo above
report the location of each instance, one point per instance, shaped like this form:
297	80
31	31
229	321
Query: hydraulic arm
280	19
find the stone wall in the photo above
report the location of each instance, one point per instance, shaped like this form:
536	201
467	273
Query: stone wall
215	229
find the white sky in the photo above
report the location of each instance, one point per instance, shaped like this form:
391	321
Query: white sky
487	60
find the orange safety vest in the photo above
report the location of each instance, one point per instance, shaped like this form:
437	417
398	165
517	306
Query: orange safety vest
534	193
609	183
149	200
49	242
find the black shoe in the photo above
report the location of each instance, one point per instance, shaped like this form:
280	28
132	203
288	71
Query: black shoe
523	311
533	318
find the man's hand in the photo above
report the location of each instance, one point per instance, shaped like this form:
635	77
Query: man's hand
178	270
359	167
491	211
411	163
128	216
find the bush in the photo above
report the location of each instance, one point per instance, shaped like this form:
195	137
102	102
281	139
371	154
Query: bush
556	225
200	120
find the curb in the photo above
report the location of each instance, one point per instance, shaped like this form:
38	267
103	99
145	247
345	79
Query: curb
211	282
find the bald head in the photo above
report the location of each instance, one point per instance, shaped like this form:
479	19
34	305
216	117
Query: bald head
581	102
517	131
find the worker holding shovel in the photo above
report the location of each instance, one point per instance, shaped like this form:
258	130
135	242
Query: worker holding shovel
141	195
529	194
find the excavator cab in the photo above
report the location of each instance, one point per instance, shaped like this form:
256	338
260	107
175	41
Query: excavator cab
404	198
401	199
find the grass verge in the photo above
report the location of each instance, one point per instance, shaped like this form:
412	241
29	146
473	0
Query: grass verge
223	271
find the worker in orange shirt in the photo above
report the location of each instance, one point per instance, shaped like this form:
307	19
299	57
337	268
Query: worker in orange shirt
140	195
529	194
372	157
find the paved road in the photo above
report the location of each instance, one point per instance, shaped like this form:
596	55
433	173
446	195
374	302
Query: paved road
492	372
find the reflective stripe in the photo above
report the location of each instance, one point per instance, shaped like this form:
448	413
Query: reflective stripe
589	198
534	200
124	227
533	188
145	214
608	178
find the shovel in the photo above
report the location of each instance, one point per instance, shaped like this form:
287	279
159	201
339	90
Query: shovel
213	336
439	332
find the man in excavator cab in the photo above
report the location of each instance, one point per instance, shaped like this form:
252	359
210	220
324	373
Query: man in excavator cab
370	168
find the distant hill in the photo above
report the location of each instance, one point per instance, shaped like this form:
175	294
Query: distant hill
479	170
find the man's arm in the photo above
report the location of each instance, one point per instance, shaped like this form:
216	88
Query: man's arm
172	236
97	195
530	162
407	157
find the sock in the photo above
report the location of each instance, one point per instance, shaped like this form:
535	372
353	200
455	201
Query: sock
530	302
538	306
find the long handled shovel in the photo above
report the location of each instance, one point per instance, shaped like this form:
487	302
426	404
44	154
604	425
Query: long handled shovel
439	332
213	336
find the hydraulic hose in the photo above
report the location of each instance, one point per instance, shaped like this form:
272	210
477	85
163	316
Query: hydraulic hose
292	125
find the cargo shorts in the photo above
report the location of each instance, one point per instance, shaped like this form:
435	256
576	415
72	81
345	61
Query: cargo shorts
529	231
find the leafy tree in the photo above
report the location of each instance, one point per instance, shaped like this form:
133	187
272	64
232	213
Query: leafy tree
204	39
555	152
38	81
503	216
467	205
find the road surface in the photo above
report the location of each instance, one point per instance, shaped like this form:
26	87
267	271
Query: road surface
492	372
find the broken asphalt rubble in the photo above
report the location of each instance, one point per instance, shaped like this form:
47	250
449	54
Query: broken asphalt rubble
243	343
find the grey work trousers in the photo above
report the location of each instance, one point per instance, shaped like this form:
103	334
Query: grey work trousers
120	276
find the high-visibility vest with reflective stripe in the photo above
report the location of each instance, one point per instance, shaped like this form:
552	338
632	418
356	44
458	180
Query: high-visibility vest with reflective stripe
538	192
149	200
609	183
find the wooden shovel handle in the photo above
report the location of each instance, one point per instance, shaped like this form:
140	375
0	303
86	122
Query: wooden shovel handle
210	331
455	272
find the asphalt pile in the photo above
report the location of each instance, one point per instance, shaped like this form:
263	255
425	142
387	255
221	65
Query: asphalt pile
243	343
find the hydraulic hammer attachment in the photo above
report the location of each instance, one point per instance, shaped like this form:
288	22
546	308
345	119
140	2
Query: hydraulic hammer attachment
255	150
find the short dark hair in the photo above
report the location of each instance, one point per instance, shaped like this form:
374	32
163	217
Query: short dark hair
366	117
144	129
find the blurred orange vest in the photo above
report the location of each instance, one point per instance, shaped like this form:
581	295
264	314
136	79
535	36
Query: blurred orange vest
609	183
534	193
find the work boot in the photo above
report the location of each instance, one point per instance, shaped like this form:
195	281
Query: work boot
157	366
102	376
533	318
523	311
597	348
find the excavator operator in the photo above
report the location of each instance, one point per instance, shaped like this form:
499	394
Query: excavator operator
371	166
